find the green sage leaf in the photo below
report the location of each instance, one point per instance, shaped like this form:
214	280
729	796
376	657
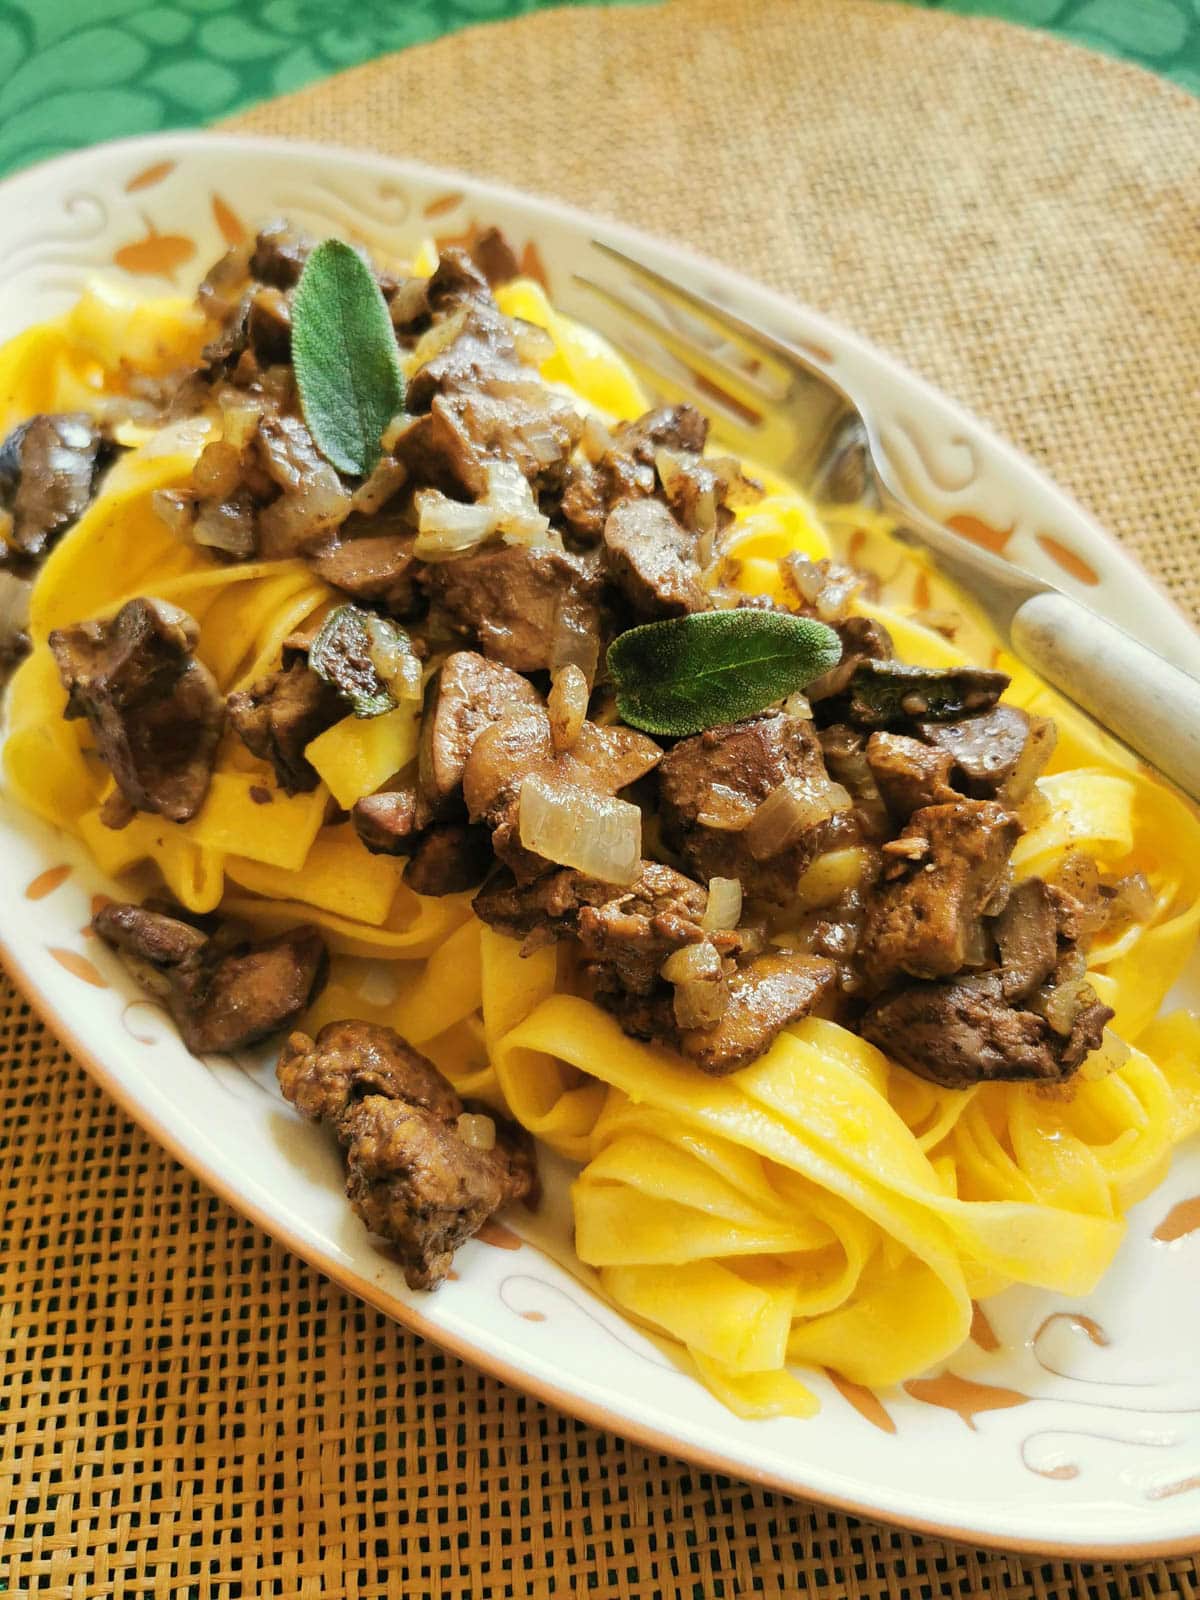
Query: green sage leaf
345	357
690	673
368	659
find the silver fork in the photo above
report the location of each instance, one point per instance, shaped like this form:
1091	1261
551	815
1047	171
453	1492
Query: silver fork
778	407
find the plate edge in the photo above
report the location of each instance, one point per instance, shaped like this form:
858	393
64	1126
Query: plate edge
496	1366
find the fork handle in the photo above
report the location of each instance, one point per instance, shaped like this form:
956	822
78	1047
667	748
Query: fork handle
1153	706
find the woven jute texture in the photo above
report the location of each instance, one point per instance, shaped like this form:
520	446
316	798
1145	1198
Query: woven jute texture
187	1410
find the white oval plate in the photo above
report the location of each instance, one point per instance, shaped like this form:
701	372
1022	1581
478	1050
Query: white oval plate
1061	1427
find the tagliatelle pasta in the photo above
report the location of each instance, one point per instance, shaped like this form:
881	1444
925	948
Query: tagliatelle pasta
820	1207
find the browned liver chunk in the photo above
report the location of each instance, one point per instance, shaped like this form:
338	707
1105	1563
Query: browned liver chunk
909	774
387	823
996	756
634	932
626	471
540	910
511	418
468	695
711	785
280	715
925	921
653	561
602	759
957	1034
280	251
154	710
1026	934
774	991
48	471
411	1175
448	858
509	598
376	567
224	990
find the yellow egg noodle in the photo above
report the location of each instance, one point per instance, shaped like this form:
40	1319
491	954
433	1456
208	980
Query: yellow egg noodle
820	1207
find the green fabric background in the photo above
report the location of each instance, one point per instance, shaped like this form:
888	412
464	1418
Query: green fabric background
73	72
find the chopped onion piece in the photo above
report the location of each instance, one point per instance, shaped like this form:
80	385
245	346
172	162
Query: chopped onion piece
1132	899
239	420
668	466
447	528
739	489
1063	1003
575	642
804	574
1111	1056
225	525
691	962
597	834
1071	967
176	508
514	510
533	344
218	470
182	435
833	602
393	659
701	992
567	705
790	810
409	301
975	944
724	907
691	485
1039	747
1079	875
378	489
725	809
438	338
396	429
595	440
544	440
797	705
701	1004
1000	895
704	511
1036	809
477	1130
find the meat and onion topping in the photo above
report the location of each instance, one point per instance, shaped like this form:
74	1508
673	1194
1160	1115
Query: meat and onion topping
837	840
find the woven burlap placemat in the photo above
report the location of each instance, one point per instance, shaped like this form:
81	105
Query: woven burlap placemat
188	1410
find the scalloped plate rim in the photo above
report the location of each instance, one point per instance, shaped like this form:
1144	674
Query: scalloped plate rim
588	1399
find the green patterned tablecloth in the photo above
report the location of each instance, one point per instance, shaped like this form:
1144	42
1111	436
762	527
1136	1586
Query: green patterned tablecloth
74	72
